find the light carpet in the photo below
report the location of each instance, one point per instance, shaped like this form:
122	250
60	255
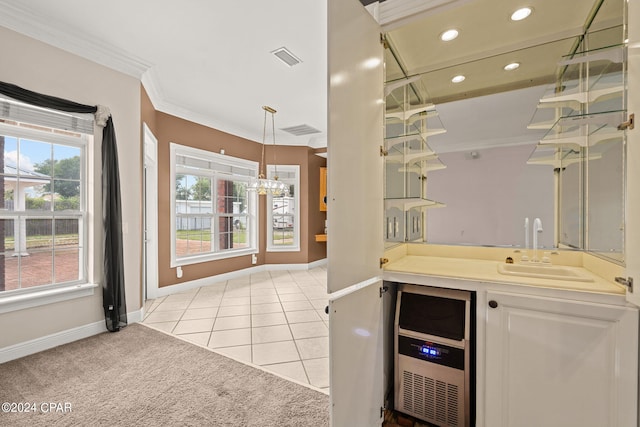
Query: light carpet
140	376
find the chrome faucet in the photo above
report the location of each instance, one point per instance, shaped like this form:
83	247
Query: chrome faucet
537	228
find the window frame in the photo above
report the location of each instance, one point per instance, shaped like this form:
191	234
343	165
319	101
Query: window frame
34	296
252	202
295	181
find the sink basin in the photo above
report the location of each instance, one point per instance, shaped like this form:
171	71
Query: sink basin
544	271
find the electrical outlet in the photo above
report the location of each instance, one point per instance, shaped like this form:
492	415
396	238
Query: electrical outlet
254	259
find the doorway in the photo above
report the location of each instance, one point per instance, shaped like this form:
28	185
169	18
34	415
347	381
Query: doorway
150	215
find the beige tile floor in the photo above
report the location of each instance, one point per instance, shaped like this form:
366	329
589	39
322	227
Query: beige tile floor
273	319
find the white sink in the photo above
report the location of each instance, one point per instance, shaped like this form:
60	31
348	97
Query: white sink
544	271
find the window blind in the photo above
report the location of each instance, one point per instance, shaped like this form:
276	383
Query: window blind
229	167
25	113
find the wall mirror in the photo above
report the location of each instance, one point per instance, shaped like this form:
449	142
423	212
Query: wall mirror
468	162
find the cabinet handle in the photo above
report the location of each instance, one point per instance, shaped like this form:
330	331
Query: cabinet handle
493	304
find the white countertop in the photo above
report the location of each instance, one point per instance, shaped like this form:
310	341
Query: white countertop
487	271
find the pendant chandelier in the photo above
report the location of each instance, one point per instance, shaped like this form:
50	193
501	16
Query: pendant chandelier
262	185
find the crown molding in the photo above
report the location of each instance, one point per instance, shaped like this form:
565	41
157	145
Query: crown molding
24	21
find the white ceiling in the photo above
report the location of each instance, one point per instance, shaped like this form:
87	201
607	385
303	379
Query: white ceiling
210	61
207	61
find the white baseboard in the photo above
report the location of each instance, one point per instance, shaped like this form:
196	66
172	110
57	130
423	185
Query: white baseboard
296	267
205	281
37	345
319	263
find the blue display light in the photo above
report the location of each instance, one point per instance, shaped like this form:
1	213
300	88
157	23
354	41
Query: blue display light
430	351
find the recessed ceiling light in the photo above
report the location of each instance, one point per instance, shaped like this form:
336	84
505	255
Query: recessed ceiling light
521	14
449	35
512	66
458	79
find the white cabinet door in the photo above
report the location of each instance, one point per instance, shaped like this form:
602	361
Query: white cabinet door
354	166
354	214
356	362
632	226
552	362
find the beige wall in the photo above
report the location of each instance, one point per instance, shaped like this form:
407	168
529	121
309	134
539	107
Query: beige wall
39	67
173	129
147	112
169	129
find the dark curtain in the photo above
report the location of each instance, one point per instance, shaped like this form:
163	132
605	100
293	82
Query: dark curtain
115	309
113	295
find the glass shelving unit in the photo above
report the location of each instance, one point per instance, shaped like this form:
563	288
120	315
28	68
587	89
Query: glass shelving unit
583	113
586	104
409	124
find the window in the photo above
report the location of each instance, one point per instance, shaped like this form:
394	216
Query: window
283	213
214	215
43	235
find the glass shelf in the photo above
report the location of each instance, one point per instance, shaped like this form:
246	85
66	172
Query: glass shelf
410	156
404	115
406	91
544	118
557	157
612	54
428	165
393	141
391	87
586	129
588	77
572	94
416	202
408	149
545	155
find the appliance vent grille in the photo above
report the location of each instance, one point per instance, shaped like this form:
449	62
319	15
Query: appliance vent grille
408	390
441	402
300	130
430	403
452	403
430	399
285	55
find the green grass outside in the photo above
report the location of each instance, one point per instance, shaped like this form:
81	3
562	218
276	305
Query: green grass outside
239	236
43	241
281	237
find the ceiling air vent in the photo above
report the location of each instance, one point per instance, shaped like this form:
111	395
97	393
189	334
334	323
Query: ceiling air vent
300	130
286	56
